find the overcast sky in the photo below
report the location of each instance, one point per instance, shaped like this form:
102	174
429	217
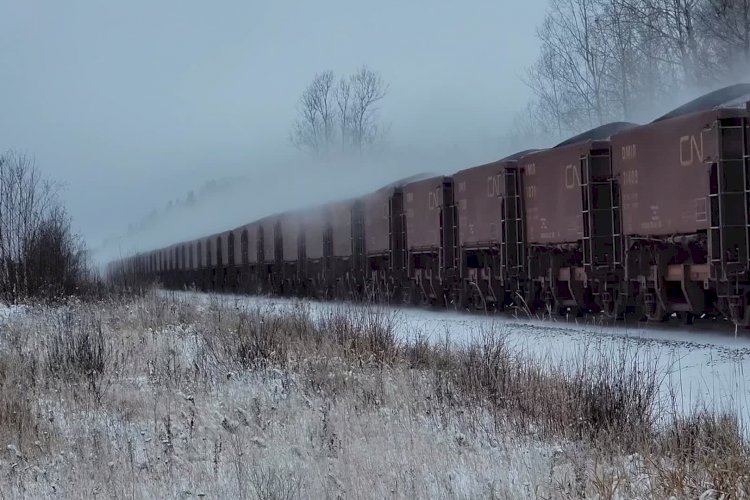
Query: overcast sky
133	103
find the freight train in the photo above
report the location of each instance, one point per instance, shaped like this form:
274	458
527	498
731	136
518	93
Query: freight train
648	220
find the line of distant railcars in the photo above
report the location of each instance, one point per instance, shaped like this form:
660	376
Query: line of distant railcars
644	219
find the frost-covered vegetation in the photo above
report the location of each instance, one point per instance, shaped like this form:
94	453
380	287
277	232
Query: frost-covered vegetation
165	396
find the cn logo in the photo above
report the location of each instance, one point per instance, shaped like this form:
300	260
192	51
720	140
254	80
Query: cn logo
572	177
691	149
433	199
493	186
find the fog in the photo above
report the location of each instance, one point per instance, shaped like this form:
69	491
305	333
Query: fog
132	104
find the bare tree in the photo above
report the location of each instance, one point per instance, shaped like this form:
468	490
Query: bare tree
604	60
725	27
344	105
367	88
544	79
314	129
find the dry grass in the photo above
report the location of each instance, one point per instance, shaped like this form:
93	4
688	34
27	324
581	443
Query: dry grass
160	396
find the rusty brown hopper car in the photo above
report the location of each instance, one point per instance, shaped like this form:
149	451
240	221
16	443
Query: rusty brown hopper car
683	185
245	257
226	271
340	216
423	201
558	228
207	267
430	222
233	242
314	225
290	228
215	243
215	263
189	272
490	232
291	233
377	223
380	214
246	244
347	247
479	203
384	240
313	266
270	254
184	264
222	247
268	235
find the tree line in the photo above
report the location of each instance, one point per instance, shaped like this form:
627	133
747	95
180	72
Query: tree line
40	256
608	60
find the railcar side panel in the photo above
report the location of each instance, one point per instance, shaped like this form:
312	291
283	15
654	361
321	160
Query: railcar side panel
663	171
377	226
315	222
478	192
340	217
268	226
422	202
246	244
552	194
290	234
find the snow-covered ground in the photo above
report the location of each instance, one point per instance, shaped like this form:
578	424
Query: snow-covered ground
174	411
701	365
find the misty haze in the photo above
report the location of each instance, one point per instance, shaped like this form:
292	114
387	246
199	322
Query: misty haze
286	250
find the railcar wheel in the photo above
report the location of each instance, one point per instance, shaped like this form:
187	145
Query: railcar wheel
612	308
655	312
417	297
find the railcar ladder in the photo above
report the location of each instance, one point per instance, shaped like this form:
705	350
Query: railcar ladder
260	245
327	248
230	249
358	237
602	237
448	255
301	253
328	241
729	196
512	245
219	252
397	231
278	244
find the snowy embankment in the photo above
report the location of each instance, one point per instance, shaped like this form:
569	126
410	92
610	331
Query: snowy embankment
182	395
700	366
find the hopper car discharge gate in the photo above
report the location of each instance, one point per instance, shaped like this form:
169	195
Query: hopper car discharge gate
729	200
